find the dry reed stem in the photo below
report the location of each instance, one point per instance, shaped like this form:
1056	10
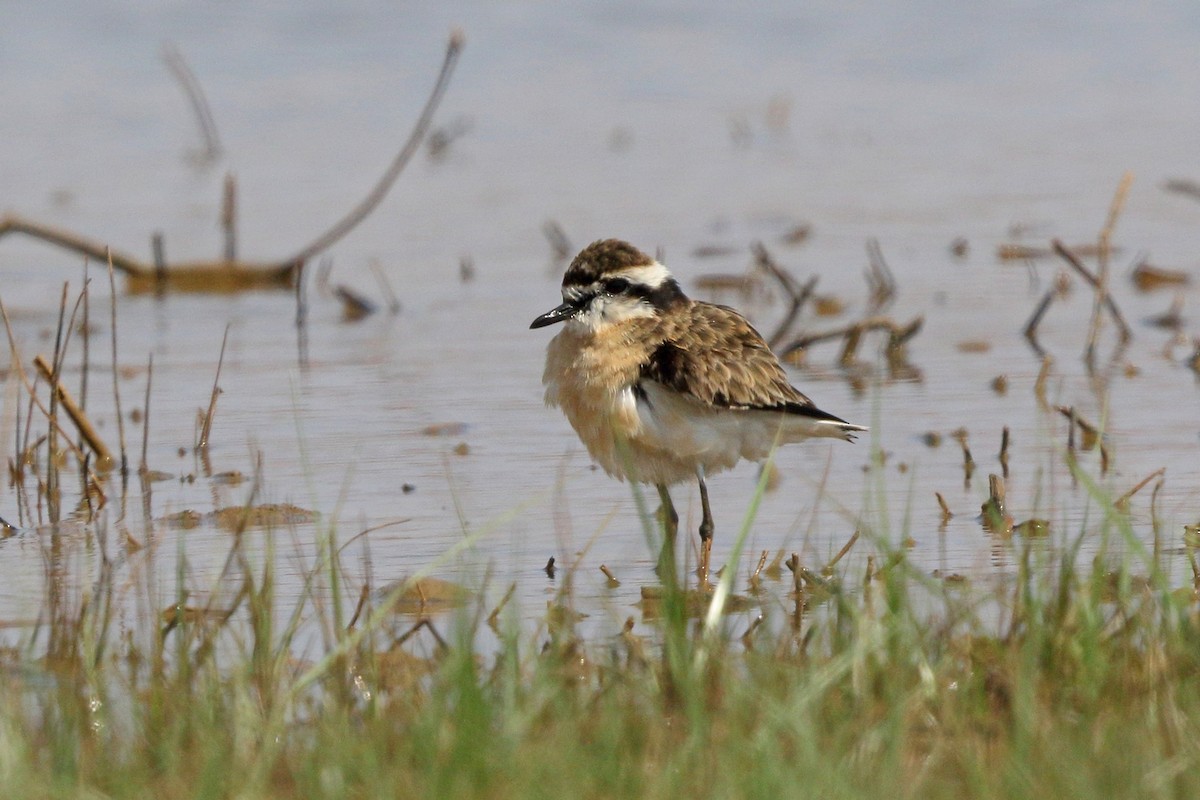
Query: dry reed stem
1039	386
143	467
612	579
112	286
494	617
841	553
77	415
793	563
34	400
363	596
1004	451
961	437
946	513
206	428
1123	501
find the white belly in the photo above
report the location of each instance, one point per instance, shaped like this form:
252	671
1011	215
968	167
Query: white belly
662	437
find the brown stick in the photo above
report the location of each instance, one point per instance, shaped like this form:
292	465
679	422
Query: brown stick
206	428
1035	320
86	430
797	295
11	223
1125	333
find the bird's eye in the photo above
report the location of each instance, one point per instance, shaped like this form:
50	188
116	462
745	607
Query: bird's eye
616	285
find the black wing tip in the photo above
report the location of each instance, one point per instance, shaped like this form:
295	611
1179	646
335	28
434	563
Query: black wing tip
809	410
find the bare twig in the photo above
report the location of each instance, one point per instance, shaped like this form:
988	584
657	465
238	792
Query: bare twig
206	428
880	281
229	216
143	468
1122	502
1070	257
841	553
178	66
797	295
360	212
960	435
946	513
1035	320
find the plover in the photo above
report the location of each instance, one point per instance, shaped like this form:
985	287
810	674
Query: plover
664	389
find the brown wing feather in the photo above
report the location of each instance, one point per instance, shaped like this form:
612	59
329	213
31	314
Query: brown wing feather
713	354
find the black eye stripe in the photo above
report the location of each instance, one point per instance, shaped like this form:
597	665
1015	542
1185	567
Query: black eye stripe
663	296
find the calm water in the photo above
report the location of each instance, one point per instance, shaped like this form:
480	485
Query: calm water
674	126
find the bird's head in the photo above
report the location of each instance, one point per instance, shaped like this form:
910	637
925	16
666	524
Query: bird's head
611	282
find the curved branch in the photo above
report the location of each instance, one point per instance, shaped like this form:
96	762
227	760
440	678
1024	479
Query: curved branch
347	223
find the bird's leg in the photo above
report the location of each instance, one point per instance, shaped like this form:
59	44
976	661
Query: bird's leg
670	523
706	531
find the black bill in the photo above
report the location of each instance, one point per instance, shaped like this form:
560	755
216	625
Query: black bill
560	314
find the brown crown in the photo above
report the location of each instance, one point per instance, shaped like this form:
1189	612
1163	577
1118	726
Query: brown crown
601	258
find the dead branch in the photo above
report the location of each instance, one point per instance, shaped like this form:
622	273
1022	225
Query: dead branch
11	223
178	66
228	275
1069	256
359	213
797	295
1035	320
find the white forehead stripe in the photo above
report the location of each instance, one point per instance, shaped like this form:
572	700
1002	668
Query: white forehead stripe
652	275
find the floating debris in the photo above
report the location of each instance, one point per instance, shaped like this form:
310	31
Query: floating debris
267	515
797	234
1148	278
426	596
1033	528
445	429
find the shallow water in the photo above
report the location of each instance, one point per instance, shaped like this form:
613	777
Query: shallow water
675	127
